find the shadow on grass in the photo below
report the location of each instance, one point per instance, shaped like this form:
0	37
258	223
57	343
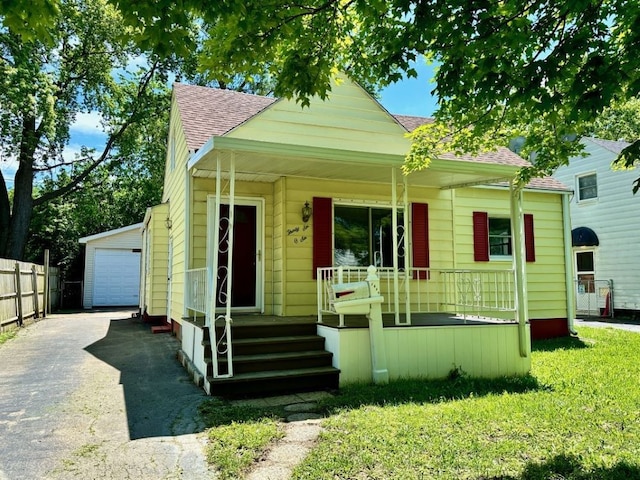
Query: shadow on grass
216	412
427	391
560	343
569	466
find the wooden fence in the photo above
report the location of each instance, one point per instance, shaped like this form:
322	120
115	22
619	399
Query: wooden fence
27	291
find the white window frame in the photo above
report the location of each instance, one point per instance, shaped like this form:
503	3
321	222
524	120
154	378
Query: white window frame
493	257
360	204
578	191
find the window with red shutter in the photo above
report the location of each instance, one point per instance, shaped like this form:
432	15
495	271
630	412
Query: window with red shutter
480	236
322	234
529	241
492	237
420	238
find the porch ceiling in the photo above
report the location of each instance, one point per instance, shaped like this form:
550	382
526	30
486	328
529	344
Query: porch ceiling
263	161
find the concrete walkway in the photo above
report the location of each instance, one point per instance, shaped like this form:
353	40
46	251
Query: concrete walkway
94	395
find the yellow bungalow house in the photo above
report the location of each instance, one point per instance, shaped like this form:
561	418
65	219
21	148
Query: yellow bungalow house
269	210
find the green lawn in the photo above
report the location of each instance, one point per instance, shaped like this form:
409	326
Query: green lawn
577	416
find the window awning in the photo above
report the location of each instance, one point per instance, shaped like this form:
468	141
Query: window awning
584	237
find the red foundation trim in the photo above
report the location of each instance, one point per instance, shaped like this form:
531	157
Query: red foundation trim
542	328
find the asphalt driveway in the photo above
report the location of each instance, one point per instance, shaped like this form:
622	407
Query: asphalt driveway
95	395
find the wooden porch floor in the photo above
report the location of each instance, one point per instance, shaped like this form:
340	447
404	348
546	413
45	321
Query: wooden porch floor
360	321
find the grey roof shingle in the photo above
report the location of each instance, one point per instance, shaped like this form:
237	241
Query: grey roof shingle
206	112
615	146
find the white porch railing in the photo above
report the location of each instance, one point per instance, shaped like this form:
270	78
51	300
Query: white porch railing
196	301
466	292
196	290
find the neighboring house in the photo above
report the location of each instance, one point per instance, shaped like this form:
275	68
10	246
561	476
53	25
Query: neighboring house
266	206
112	268
605	229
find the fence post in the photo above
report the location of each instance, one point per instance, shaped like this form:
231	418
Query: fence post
46	296
19	295
36	297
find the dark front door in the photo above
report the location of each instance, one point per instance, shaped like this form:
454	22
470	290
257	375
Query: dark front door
244	261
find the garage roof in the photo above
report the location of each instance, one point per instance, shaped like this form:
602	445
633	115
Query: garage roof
108	233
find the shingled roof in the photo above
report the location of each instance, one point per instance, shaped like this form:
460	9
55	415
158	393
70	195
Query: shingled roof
207	112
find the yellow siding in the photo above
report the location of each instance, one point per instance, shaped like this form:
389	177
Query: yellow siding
204	188
174	193
547	298
487	351
156	272
546	276
349	120
279	259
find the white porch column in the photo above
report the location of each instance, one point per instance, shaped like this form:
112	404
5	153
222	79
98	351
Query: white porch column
394	238
519	265
227	316
408	260
212	249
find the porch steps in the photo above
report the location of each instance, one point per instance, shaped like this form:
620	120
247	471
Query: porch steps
273	358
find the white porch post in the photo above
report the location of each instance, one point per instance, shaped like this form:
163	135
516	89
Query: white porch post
394	239
519	265
213	271
408	260
227	316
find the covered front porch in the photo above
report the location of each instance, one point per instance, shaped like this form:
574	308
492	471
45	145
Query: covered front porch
435	319
434	323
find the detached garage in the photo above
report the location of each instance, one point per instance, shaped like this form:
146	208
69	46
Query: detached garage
112	268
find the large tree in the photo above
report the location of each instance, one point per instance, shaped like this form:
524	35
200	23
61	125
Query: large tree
79	66
537	69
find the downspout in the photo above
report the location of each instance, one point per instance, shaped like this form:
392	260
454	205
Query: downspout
568	262
519	266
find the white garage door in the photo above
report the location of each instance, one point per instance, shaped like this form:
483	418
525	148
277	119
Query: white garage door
116	278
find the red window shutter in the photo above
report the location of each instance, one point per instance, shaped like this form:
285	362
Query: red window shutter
420	238
322	234
530	246
481	236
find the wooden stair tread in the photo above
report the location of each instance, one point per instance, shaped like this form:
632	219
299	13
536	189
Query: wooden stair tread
273	374
283	339
278	356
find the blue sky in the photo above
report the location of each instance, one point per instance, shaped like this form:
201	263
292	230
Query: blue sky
407	97
412	96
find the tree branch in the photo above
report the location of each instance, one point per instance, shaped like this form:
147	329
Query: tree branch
113	138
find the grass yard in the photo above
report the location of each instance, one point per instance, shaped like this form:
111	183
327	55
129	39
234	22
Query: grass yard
8	335
577	416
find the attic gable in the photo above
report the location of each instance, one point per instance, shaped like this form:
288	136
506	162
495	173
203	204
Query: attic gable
350	119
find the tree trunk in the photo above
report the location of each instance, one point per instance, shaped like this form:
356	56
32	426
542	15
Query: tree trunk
22	193
5	215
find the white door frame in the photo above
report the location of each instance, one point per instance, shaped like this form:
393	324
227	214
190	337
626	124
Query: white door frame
260	267
169	278
591	297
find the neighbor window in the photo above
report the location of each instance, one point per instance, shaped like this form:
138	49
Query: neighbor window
499	237
364	236
587	187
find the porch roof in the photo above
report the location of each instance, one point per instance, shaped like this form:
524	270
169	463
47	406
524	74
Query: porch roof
266	161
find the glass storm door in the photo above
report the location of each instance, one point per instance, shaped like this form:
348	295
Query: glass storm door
586	294
246	257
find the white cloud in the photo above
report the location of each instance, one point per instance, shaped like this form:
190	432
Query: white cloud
87	124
